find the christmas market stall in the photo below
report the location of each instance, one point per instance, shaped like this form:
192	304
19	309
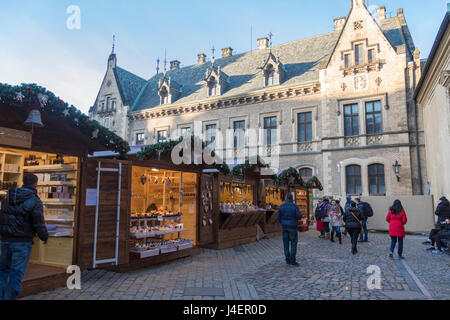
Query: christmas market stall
41	134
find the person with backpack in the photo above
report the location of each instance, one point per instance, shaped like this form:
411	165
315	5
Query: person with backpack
353	224
21	219
366	212
318	216
288	215
397	219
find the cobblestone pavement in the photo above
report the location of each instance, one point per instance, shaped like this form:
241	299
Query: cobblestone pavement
327	271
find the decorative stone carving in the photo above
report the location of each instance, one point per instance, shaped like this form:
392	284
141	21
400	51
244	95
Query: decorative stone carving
352	141
305	147
361	82
358	25
378	139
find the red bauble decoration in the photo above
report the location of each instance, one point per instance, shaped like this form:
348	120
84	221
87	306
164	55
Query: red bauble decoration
86	122
60	102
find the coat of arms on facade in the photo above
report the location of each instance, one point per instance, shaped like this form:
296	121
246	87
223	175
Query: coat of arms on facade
361	82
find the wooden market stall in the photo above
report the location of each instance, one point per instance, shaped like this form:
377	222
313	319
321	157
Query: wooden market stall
56	151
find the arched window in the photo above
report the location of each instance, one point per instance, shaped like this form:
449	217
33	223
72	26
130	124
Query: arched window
164	96
212	87
353	180
306	173
377	185
270	76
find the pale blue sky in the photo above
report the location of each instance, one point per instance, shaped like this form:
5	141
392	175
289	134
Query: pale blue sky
36	46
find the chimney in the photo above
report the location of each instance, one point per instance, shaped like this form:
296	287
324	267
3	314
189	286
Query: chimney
174	65
339	23
400	12
227	52
263	43
381	13
201	58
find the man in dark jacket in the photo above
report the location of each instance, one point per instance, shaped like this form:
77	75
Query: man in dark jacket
366	212
352	219
288	216
443	210
21	218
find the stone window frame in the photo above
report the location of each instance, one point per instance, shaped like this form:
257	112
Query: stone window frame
308	166
364	164
184	125
161	128
207	123
361	101
294	118
263	115
136	138
345	170
231	122
377	178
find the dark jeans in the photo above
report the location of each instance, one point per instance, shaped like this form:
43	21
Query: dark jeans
326	225
366	233
354	233
439	239
433	235
290	237
13	264
394	241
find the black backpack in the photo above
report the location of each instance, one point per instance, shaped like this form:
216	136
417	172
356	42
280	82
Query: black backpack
318	213
368	210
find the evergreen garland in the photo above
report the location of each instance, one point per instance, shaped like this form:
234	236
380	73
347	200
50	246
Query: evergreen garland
29	96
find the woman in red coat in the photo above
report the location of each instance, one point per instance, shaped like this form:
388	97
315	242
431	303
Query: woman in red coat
397	220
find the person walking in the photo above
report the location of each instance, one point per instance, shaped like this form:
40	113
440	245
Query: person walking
353	224
288	215
21	219
334	212
318	216
366	213
343	231
326	218
397	219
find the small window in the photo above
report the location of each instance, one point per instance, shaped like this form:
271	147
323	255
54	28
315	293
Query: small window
185	131
239	134
212	87
270	127
371	55
270	76
162	136
353	180
113	105
103	107
164	96
351	120
377	185
305	173
374	122
108	103
140	138
359	54
304	127
347	60
210	135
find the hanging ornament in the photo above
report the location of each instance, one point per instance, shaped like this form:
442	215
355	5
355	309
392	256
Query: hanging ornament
29	90
34	119
86	122
19	96
60	102
95	133
76	121
143	180
66	112
43	99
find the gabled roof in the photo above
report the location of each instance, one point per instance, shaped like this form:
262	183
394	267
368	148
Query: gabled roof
129	85
302	60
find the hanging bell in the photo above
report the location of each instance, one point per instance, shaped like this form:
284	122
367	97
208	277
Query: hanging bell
34	119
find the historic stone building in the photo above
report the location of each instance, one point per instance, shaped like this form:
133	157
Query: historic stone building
342	102
433	98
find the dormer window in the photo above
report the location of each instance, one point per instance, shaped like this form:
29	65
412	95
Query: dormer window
270	76
108	102
371	55
168	90
273	70
212	87
164	96
216	81
347	60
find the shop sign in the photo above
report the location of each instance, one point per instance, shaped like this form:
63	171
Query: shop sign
91	197
15	138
